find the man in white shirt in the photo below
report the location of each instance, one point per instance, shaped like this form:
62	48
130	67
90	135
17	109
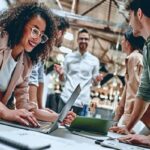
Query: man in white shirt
79	67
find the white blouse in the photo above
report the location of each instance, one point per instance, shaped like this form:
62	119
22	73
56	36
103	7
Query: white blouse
6	73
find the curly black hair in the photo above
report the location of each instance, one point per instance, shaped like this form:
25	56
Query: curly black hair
14	20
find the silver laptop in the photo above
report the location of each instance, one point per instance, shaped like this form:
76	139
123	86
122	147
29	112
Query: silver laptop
48	127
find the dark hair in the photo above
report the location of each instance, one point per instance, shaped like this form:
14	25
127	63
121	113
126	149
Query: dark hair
14	20
83	31
134	5
137	43
62	23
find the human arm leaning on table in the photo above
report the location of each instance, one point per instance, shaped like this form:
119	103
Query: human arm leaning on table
21	116
136	139
41	86
119	112
120	108
142	100
36	84
135	67
51	116
22	101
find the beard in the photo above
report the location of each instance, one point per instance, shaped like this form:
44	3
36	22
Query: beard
83	46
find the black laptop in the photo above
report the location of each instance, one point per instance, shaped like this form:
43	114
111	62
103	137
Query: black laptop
48	127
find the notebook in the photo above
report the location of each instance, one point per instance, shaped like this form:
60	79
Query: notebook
48	127
89	124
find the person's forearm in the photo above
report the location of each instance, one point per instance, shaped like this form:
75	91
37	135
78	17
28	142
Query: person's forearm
40	95
140	107
120	109
95	82
61	77
3	108
117	117
45	115
33	93
148	139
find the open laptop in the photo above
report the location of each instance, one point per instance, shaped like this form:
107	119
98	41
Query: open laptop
48	127
89	124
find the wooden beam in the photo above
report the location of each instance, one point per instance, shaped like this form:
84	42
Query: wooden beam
97	29
100	45
66	5
127	20
89	19
105	51
109	12
80	25
93	46
59	4
93	7
73	6
76	7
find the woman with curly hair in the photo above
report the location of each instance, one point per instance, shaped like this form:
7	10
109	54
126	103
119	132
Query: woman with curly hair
26	35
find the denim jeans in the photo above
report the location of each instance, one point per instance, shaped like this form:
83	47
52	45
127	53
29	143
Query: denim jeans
84	111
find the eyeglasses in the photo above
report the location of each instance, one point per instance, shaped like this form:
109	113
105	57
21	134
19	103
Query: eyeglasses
86	39
35	33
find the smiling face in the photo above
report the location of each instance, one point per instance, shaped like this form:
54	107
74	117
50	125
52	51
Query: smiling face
28	41
135	23
83	40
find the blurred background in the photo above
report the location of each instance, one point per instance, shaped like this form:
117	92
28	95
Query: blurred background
106	21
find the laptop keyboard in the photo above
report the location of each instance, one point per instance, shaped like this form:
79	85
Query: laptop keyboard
45	126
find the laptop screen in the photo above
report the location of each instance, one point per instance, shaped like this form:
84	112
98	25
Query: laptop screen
66	108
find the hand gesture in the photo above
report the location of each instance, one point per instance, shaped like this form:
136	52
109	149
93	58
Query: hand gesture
119	130
58	69
21	116
69	118
99	77
136	139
